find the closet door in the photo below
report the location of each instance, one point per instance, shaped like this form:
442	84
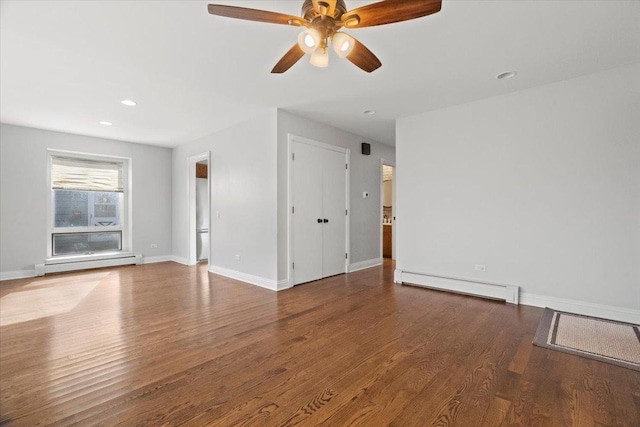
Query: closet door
334	213
319	217
307	203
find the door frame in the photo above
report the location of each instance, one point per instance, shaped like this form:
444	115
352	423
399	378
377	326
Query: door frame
384	162
191	195
291	138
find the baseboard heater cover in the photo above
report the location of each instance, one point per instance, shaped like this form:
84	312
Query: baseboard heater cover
508	293
42	269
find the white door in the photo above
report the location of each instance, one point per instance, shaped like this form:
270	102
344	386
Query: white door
307	214
334	213
319	212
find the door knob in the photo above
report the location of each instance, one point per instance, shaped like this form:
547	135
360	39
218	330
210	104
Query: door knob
319	220
326	220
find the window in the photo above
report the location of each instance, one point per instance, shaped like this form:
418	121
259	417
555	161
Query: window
88	205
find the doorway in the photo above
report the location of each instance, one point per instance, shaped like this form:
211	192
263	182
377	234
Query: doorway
199	207
387	211
319	210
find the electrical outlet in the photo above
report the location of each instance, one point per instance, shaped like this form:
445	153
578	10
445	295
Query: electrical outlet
365	194
154	246
237	257
481	267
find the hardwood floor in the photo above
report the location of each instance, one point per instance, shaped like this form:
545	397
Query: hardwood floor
165	344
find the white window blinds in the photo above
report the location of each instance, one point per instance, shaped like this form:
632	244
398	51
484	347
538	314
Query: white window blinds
68	173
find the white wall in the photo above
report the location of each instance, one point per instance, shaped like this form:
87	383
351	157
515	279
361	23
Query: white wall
365	176
24	192
243	189
542	186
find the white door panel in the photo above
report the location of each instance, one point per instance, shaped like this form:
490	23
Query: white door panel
334	202
307	202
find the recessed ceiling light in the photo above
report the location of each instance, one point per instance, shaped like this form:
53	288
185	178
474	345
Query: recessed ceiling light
105	123
368	112
506	75
128	103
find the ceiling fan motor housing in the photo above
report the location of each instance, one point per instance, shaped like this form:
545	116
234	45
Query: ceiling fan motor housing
323	18
310	13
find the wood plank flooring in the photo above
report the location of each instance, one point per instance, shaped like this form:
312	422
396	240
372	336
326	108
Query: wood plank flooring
165	344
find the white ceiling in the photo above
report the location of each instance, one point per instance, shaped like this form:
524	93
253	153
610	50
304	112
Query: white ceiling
65	65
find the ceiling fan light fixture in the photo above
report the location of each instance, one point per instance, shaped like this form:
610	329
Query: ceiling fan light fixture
320	58
343	44
309	40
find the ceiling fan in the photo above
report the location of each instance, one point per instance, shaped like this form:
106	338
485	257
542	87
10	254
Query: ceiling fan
323	20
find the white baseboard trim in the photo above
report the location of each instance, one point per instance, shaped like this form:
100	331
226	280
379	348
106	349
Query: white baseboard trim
20	274
155	259
508	293
361	265
179	260
42	269
621	314
244	277
397	276
284	284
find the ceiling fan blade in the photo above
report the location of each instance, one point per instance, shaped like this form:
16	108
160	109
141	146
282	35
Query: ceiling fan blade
363	58
390	11
288	60
252	14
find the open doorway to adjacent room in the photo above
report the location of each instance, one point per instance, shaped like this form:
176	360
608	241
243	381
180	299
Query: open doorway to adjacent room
199	207
387	216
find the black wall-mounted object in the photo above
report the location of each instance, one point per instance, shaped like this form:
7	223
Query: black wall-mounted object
366	148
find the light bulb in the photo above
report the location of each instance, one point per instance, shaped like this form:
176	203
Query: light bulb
308	40
343	44
320	58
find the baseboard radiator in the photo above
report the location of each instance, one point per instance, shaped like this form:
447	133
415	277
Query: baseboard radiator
60	267
508	293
